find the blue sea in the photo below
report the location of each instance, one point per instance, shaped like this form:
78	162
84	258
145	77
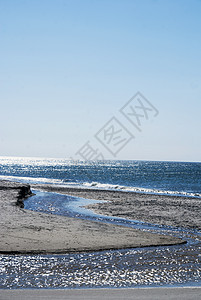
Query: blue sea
178	178
178	265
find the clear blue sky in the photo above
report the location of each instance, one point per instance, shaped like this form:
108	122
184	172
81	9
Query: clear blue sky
67	67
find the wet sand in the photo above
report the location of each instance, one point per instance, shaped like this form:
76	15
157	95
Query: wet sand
24	231
193	293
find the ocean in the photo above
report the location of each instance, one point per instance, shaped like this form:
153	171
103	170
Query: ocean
160	177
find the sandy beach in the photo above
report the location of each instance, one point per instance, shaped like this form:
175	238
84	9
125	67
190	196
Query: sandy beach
24	231
28	232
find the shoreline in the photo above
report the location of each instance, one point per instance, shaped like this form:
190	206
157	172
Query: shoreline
28	232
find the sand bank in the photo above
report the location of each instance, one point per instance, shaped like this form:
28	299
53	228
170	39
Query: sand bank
168	210
24	231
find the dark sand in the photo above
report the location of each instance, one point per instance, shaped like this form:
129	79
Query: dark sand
24	231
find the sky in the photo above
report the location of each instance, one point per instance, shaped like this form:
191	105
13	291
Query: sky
67	68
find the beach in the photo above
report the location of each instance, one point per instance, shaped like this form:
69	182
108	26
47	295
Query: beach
23	231
28	232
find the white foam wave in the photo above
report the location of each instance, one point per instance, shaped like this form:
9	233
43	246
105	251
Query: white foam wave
98	185
31	179
138	189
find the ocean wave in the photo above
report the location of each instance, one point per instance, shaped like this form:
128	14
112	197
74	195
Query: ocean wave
138	189
98	185
31	179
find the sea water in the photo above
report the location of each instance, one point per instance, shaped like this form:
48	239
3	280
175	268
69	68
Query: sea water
179	178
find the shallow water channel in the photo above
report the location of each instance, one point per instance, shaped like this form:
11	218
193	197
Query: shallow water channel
139	267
